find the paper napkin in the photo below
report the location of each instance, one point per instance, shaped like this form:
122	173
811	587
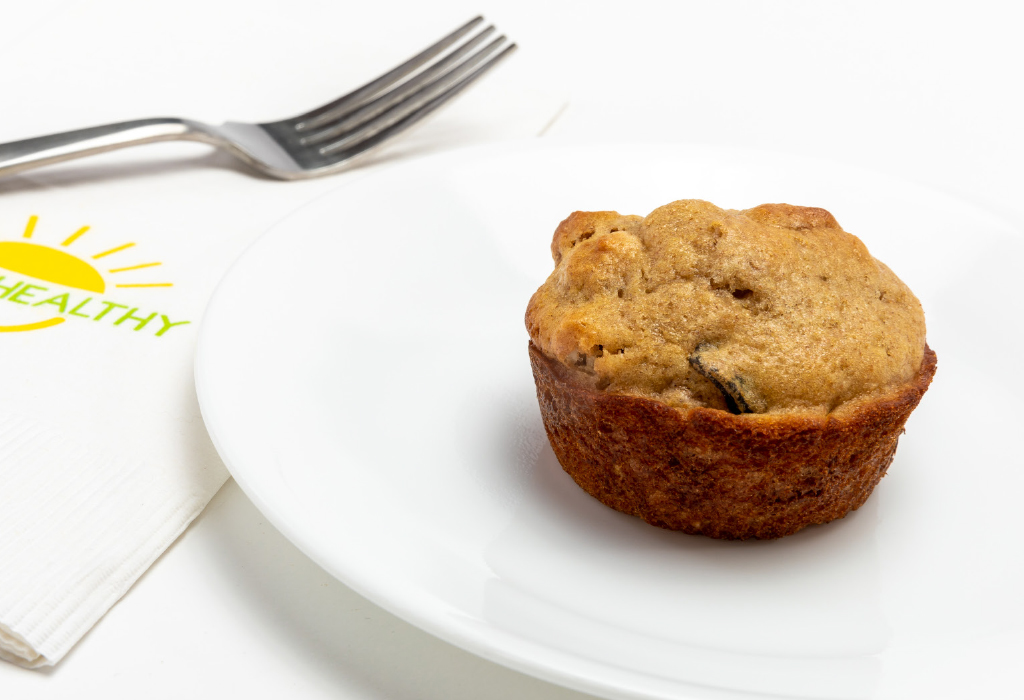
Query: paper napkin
103	456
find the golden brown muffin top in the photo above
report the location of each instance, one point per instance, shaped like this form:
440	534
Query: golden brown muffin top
773	309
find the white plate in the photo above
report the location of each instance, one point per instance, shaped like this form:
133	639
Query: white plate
364	374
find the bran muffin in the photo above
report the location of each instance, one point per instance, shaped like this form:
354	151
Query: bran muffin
729	373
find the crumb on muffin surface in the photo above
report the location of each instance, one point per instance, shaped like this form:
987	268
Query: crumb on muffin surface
773	309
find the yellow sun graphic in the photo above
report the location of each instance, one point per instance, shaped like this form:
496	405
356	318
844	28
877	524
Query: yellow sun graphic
60	267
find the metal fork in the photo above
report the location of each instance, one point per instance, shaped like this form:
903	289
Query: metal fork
319	142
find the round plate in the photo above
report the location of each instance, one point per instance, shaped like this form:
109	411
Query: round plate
363	371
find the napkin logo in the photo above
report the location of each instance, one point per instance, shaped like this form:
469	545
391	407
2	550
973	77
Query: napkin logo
26	258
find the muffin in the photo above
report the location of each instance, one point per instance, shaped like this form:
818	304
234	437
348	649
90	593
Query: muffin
735	374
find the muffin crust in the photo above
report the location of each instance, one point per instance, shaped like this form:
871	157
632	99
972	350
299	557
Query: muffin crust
769	310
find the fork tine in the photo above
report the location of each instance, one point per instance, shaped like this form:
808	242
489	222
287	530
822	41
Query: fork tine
327	113
369	110
464	73
395	123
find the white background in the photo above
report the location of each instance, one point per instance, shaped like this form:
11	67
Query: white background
925	91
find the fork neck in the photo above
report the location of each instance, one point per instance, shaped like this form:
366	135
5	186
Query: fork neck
18	156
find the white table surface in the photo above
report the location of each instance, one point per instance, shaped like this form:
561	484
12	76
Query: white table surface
925	91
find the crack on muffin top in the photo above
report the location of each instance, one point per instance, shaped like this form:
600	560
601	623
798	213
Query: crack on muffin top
773	309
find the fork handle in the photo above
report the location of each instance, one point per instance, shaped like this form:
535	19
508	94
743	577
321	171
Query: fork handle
18	156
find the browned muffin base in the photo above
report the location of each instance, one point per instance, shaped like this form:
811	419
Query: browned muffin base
709	472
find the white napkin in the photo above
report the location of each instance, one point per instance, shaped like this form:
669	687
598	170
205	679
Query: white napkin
103	456
105	269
